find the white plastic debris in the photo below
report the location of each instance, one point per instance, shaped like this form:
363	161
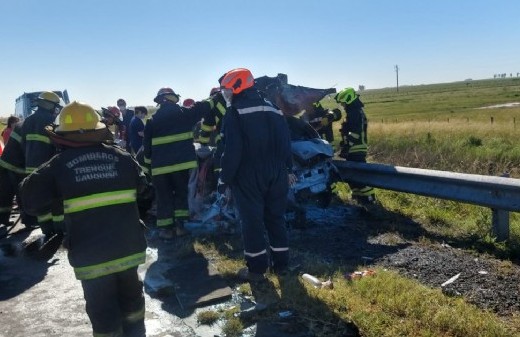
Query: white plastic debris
451	280
316	282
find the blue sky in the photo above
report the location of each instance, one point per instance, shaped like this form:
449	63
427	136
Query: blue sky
101	50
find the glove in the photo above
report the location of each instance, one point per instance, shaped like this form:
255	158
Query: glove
221	187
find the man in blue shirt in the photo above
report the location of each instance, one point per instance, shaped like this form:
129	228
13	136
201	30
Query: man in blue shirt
127	115
136	130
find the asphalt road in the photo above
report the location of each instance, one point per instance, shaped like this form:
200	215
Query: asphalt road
39	296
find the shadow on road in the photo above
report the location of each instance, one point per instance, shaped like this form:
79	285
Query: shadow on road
24	261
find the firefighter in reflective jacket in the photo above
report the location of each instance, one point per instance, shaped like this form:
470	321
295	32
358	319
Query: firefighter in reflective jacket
213	110
354	144
12	171
170	154
321	119
37	148
98	185
256	165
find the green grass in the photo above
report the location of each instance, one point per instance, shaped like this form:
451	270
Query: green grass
444	127
385	304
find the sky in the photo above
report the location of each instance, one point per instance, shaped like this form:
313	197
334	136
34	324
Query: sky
102	50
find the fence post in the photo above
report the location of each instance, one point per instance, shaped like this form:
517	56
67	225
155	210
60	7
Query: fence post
500	221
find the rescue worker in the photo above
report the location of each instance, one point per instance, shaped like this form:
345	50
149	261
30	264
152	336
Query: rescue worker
170	155
321	119
213	110
188	103
12	171
112	117
354	144
36	148
98	185
256	165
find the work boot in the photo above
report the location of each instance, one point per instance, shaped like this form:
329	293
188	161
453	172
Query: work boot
245	275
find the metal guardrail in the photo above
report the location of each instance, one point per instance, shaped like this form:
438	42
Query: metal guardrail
501	194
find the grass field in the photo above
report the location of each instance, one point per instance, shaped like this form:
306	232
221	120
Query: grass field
449	127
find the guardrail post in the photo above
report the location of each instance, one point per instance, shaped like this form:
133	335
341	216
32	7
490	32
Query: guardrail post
500	224
501	220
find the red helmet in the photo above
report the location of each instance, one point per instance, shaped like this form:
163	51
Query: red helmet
111	111
166	93
238	80
188	103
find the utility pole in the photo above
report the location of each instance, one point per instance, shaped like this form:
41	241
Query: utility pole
397	76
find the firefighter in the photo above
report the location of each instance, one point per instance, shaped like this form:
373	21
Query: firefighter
321	119
170	155
111	116
354	144
36	148
213	110
98	185
12	171
256	164
188	103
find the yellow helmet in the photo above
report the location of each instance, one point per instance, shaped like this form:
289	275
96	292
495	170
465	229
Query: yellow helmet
49	96
48	100
78	116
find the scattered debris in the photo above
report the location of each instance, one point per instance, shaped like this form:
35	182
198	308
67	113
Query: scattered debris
483	272
317	283
360	274
251	311
451	280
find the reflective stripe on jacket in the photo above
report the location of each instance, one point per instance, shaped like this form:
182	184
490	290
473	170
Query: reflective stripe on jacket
213	110
35	141
13	158
256	139
168	139
99	186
